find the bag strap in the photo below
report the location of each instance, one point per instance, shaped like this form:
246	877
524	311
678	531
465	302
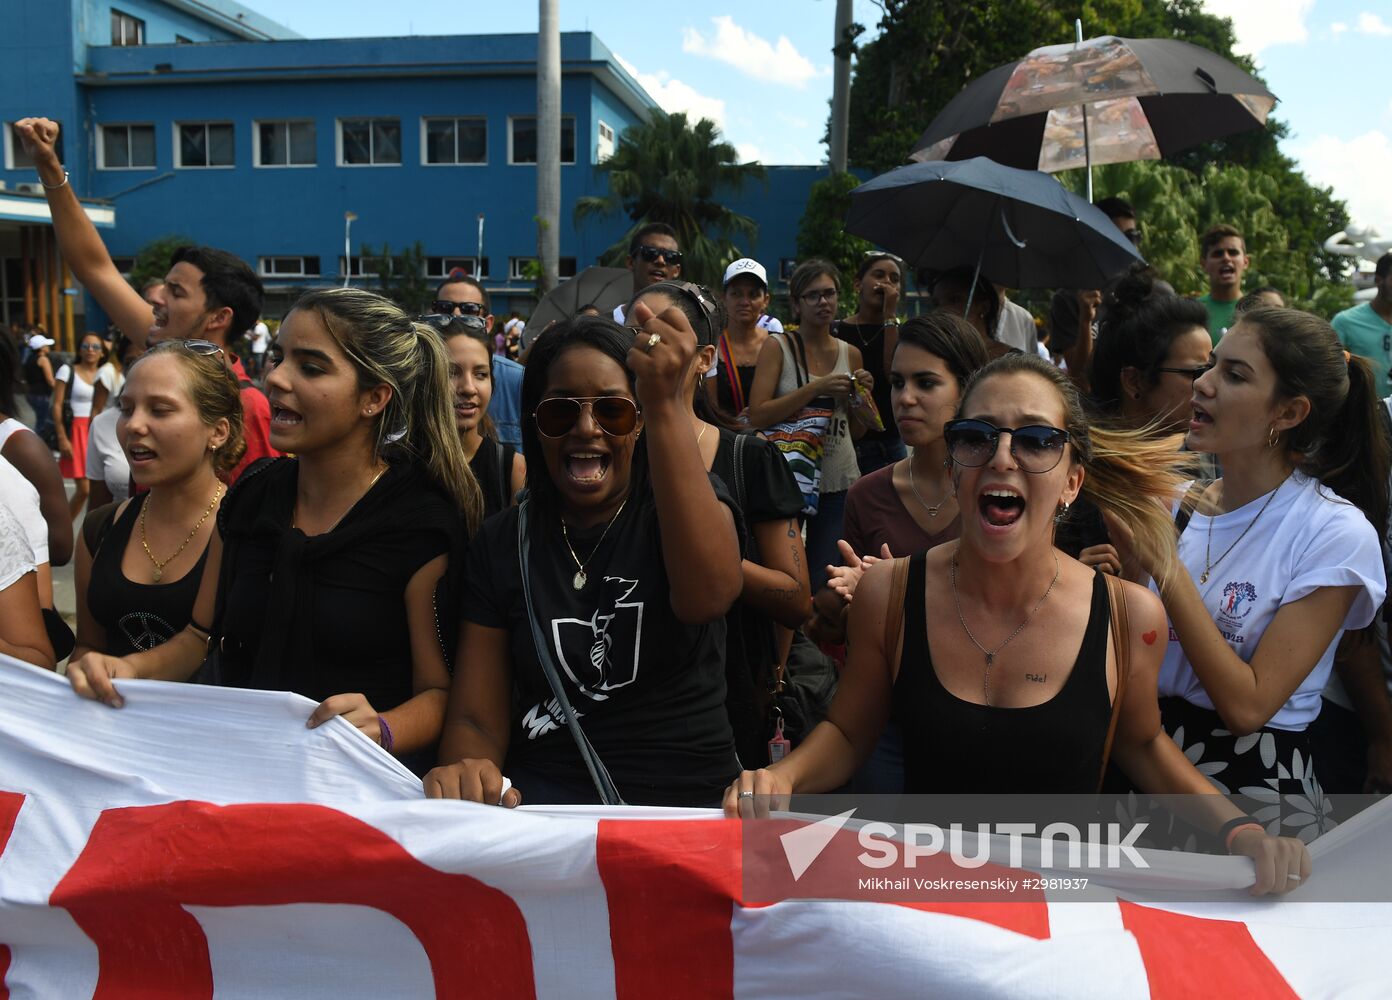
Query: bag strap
1121	643
789	347
504	453
894	617
1188	504
732	376
604	784
801	349
97	524
741	492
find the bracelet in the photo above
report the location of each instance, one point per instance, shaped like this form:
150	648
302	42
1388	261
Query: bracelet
1233	827
386	738
55	187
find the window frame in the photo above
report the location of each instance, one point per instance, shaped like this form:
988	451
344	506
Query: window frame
563	265
263	271
574	152
601	126
124	19
179	163
456	119
256	124
338	140
360	273
461	260
101	144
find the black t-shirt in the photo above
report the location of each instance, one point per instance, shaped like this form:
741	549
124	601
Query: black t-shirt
492	467
649	689
869	339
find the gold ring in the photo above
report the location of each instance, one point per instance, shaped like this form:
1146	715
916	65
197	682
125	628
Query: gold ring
653	341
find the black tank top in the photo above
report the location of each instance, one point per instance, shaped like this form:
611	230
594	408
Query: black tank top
492	467
956	746
137	616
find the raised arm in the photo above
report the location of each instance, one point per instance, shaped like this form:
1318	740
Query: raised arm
699	543
78	240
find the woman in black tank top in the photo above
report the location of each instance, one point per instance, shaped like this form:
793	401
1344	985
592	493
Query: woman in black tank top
993	696
140	564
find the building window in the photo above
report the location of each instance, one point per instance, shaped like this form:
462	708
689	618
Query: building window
15	156
786	267
369	141
439	268
517	267
126	30
288	267
455	140
203	144
123	264
604	144
126	147
355	268
181	40
522	139
285	144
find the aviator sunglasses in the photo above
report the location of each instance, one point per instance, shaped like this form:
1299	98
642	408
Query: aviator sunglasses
617	416
1036	449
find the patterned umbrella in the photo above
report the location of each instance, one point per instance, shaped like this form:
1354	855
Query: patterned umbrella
1105	100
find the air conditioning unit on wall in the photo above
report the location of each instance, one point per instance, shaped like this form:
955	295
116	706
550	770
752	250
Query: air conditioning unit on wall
29	189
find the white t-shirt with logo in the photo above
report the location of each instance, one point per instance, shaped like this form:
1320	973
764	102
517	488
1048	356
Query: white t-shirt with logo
1308	538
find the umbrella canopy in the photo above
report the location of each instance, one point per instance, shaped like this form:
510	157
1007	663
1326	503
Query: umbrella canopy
604	288
1020	228
1144	97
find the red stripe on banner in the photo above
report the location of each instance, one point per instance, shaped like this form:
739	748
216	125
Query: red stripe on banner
1189	956
672	887
10	804
142	865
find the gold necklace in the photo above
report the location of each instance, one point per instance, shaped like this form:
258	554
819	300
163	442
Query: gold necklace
294	515
579	580
990	654
930	508
159	566
1210	566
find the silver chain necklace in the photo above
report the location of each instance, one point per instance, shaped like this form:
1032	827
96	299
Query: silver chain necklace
991	654
1210	566
930	508
579	580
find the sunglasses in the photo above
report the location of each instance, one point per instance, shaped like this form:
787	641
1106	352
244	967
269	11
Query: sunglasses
1134	235
651	254
447	307
443	321
617	416
1193	373
203	348
1036	449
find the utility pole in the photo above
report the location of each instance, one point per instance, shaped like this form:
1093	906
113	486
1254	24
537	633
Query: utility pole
841	90
549	141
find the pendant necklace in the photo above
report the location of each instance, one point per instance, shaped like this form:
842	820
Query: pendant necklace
932	509
991	654
1211	564
579	580
159	566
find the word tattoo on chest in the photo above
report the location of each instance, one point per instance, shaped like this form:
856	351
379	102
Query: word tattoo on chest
1037	678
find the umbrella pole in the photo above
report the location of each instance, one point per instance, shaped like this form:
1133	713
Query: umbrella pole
971	292
1087	143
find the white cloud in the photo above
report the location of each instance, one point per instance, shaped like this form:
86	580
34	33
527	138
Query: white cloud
772	62
1338	28
748	152
672	95
1357	169
1371	24
1260	25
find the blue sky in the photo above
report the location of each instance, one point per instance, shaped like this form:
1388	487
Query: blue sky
762	70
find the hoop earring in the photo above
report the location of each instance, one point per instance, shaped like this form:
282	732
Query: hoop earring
1273	438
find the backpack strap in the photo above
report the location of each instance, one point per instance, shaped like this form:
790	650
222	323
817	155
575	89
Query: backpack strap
894	615
97	524
1121	644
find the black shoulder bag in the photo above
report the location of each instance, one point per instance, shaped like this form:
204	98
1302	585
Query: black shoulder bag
599	774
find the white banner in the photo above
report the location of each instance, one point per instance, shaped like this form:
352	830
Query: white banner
202	842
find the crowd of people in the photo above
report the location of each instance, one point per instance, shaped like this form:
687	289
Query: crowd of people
1139	545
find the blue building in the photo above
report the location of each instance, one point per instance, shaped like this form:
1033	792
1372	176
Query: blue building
203	118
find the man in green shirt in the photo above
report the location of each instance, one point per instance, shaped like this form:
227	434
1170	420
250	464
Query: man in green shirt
1223	256
1366	329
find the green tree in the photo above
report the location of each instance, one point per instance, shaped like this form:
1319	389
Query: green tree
667	170
153	259
822	231
400	276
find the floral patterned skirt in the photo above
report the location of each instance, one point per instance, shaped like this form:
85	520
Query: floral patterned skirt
1272	770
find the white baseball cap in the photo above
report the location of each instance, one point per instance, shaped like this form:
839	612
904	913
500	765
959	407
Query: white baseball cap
39	340
745	265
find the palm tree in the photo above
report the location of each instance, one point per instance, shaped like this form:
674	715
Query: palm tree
666	170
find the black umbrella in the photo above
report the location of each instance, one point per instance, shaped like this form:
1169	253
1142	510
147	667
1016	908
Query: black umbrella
600	288
1105	100
1018	227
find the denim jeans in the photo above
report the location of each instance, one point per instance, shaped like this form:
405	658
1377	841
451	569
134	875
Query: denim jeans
823	532
505	409
43	414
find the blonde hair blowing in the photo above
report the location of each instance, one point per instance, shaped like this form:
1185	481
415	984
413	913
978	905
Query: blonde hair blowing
1132	473
214	392
388	348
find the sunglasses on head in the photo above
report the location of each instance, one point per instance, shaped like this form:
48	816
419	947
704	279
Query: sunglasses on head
203	348
650	254
617	416
1036	448
443	321
448	306
1193	373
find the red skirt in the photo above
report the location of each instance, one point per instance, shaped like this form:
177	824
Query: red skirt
76	466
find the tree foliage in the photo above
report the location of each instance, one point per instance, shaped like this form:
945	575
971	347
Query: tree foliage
822	232
668	170
153	259
400	276
927	50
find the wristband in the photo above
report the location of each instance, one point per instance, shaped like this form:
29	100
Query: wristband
55	187
386	734
1233	827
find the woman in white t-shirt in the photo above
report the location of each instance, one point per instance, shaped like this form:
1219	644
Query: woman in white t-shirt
1282	558
76	384
112	376
22	633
